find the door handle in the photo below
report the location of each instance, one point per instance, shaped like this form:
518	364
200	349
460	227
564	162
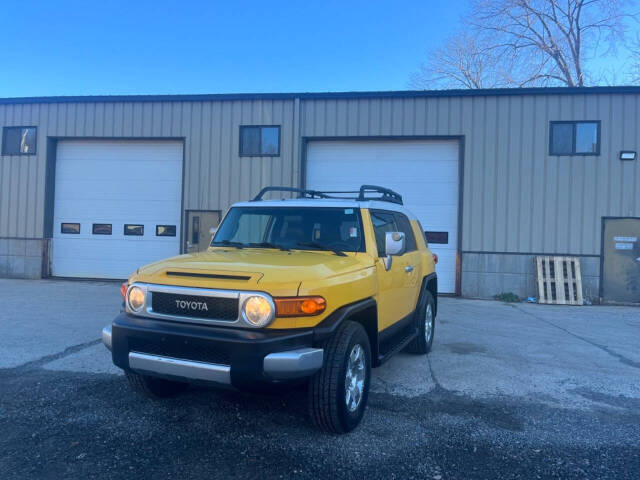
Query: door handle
408	268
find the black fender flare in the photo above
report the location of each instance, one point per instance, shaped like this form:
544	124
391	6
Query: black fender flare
325	329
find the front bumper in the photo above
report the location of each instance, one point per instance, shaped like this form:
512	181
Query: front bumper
228	356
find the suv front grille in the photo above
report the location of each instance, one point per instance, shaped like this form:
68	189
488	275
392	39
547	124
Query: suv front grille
186	351
215	308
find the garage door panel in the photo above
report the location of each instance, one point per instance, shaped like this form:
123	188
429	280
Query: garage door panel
124	171
90	248
425	173
117	150
115	182
130	191
125	210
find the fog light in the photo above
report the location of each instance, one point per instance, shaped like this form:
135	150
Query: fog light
136	298
258	311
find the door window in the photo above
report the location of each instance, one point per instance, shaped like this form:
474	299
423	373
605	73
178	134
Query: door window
404	226
383	222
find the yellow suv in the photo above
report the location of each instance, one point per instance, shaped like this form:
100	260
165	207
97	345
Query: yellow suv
316	289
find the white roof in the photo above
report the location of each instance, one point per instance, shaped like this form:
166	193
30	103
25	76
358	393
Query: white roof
329	202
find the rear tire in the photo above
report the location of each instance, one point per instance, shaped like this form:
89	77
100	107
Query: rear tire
425	324
338	392
153	387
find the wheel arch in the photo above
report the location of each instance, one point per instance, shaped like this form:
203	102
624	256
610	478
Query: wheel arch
430	282
364	312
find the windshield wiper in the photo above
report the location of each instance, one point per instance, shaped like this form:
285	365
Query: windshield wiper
321	246
228	243
268	245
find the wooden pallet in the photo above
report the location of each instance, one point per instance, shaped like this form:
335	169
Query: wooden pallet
559	280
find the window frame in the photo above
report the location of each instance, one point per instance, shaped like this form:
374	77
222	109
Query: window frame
4	140
243	127
574	123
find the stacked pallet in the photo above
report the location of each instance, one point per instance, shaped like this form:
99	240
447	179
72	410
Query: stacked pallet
559	280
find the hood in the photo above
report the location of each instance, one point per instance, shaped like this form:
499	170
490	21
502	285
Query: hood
251	268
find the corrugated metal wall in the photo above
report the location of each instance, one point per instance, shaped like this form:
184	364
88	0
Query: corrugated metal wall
215	176
516	198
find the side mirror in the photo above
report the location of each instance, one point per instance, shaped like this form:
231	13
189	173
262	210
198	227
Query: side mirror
394	244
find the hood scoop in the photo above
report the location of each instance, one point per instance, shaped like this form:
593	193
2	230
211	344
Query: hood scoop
216	276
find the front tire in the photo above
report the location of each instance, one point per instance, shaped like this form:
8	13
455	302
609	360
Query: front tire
153	387
338	393
426	325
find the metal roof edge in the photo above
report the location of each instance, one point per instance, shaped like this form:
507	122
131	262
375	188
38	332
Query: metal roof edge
621	89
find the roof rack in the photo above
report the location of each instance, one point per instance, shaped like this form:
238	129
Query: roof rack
386	195
302	193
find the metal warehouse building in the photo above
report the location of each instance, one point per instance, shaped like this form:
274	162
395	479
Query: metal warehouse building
92	187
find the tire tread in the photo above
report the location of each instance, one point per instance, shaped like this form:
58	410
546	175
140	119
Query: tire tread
323	386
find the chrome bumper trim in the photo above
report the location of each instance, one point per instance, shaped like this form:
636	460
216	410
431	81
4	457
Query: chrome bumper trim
294	363
106	336
175	367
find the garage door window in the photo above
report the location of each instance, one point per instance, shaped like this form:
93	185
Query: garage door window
574	138
101	229
71	228
259	141
134	230
165	230
19	140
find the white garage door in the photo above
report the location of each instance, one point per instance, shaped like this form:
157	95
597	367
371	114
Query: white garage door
100	187
425	173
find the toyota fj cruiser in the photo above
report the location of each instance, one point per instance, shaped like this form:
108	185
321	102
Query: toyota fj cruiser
316	289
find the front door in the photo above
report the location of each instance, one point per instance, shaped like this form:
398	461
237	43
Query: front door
393	304
199	225
621	260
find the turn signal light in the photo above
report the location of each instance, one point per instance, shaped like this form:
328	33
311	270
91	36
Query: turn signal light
435	258
123	290
299	306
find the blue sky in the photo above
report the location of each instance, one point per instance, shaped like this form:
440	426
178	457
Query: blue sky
156	47
147	47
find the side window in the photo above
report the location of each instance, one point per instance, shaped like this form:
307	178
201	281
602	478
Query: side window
404	226
383	222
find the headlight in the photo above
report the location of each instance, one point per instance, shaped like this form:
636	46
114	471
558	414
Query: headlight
258	311
136	298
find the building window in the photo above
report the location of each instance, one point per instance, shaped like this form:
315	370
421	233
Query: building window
165	230
19	141
73	228
258	141
574	138
101	229
134	230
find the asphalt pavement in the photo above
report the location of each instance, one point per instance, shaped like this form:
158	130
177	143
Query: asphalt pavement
509	391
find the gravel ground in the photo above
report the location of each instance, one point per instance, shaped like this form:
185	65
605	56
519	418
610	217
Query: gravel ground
522	391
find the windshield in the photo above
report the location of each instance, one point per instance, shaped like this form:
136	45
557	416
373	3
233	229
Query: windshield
302	228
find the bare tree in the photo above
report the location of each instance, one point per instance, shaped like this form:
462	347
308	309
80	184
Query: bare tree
463	62
527	43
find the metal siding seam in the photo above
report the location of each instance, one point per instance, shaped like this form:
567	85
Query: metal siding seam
483	212
519	211
296	157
